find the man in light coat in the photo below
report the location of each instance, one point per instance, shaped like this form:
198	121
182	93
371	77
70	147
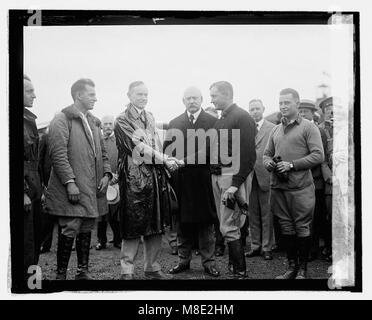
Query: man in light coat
79	178
260	215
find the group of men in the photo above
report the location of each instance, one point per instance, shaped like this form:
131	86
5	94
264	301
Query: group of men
209	168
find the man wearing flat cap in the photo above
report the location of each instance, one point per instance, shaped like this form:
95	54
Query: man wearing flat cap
327	108
307	110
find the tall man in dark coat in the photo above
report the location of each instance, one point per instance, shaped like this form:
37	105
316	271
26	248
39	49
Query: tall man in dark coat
193	185
234	156
79	178
260	215
142	183
298	143
32	184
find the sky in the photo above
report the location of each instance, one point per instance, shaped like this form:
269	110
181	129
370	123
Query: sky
259	61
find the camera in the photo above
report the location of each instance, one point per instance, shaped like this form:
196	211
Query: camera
282	176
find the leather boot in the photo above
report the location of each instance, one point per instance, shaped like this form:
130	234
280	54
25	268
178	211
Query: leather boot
63	255
82	251
304	247
238	259
289	242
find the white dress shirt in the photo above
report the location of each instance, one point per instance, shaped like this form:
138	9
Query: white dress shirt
195	115
259	124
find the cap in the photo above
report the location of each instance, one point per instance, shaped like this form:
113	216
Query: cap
112	194
309	104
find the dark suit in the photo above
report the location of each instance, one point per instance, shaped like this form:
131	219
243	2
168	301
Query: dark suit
260	215
193	187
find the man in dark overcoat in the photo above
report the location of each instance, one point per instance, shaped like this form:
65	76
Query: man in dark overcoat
32	184
193	185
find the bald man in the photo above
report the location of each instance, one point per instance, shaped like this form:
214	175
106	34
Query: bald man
193	184
112	216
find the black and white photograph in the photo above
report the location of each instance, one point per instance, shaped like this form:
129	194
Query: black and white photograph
184	151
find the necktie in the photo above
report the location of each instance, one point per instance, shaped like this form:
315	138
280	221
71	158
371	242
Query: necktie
192	119
143	118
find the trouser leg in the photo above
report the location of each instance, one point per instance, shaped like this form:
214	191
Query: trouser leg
206	244
255	216
266	220
102	230
129	250
151	251
28	241
114	222
185	239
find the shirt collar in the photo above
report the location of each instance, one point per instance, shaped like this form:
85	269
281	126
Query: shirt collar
196	114
260	123
136	112
286	122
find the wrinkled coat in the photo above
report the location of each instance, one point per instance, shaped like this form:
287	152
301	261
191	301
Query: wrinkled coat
32	184
75	156
192	183
144	199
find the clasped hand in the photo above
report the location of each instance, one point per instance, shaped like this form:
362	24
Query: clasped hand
173	163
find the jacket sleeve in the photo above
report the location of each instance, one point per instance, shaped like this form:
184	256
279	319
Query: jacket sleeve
269	151
247	148
42	154
316	151
326	171
59	135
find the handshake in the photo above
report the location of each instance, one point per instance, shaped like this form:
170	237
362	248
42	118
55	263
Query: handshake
173	164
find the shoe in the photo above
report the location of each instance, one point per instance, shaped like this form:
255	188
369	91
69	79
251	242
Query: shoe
63	256
267	255
44	250
82	252
219	252
212	271
253	253
302	272
117	245
174	251
179	268
127	276
157	275
100	246
291	271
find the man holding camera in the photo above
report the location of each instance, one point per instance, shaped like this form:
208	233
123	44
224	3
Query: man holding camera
294	147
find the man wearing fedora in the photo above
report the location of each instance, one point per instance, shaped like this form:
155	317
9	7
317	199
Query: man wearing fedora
112	196
307	110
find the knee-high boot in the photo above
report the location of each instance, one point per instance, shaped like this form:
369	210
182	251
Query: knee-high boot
63	255
237	258
82	251
290	244
304	246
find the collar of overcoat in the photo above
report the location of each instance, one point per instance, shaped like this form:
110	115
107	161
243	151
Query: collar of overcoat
72	112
